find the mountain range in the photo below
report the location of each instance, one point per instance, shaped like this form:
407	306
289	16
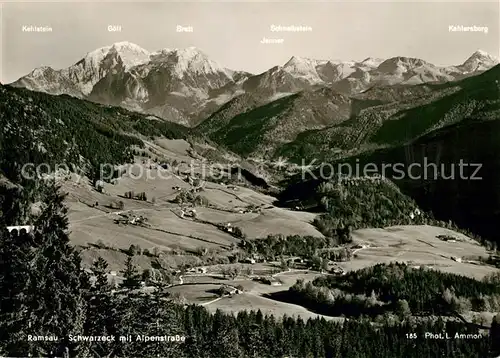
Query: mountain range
185	86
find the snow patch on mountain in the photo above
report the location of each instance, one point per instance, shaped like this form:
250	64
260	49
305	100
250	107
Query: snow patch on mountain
371	62
130	54
279	95
223	98
189	61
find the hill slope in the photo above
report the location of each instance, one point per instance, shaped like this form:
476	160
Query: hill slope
41	128
431	140
259	130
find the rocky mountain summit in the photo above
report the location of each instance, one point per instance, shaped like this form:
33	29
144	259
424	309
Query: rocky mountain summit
185	86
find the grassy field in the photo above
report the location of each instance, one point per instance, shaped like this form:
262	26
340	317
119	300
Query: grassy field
418	245
246	301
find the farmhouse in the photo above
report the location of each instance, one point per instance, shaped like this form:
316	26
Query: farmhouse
271	281
337	271
228	227
99	185
360	246
226	290
201	270
198	270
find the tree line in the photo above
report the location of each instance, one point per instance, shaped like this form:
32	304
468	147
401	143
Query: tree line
274	246
396	288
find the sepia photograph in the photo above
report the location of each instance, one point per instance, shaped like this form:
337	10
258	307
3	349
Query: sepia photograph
250	179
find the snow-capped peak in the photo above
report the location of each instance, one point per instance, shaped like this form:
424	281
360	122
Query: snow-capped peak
301	62
401	64
40	70
194	59
130	54
190	52
163	51
95	57
372	62
128	46
189	59
304	68
293	61
479	61
482	55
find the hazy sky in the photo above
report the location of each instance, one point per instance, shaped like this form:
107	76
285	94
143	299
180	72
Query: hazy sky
230	33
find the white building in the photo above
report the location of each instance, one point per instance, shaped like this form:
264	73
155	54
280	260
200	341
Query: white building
28	228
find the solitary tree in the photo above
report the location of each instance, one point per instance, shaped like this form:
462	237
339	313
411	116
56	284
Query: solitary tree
495	336
131	275
316	263
403	309
99	269
283	264
324	264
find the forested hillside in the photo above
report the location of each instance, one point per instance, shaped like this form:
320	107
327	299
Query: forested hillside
413	112
398	289
467	193
353	203
40	128
257	129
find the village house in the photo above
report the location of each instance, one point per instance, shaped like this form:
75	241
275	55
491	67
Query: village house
200	270
271	281
337	271
360	246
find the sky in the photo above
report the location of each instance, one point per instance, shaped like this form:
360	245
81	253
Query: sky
230	32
